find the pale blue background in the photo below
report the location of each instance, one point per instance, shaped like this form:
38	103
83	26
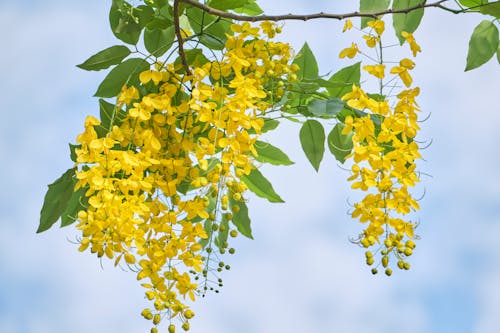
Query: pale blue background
300	274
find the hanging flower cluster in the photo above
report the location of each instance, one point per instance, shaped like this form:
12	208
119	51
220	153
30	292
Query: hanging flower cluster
384	155
163	180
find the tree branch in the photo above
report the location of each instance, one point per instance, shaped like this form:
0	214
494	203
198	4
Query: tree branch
306	17
180	40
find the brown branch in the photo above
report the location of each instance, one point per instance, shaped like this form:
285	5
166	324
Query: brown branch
306	17
180	40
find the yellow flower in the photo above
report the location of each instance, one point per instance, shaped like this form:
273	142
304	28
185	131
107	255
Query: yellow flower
371	41
376	70
349	52
378	26
415	48
347	25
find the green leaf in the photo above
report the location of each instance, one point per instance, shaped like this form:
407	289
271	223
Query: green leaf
212	30
111	56
269	125
158	41
251	8
492	8
259	185
472	3
240	219
110	115
56	200
124	24
75	204
267	153
307	62
144	14
126	73
349	75
406	22
194	58
482	45
340	145
371	6
326	108
72	151
312	139
226	5
498	53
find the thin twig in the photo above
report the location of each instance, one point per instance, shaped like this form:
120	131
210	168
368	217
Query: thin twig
306	17
180	40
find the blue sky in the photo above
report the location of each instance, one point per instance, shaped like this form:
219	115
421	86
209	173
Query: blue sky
300	274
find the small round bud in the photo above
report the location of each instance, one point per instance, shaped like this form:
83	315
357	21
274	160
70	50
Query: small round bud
233	233
185	326
232	250
401	264
156	319
171	328
388	272
189	314
374	271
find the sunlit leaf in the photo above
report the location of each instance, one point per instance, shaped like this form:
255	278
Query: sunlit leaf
307	62
267	153
126	73
371	6
492	8
482	45
408	22
259	185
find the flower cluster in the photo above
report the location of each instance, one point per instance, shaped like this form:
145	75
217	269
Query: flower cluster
163	174
384	156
